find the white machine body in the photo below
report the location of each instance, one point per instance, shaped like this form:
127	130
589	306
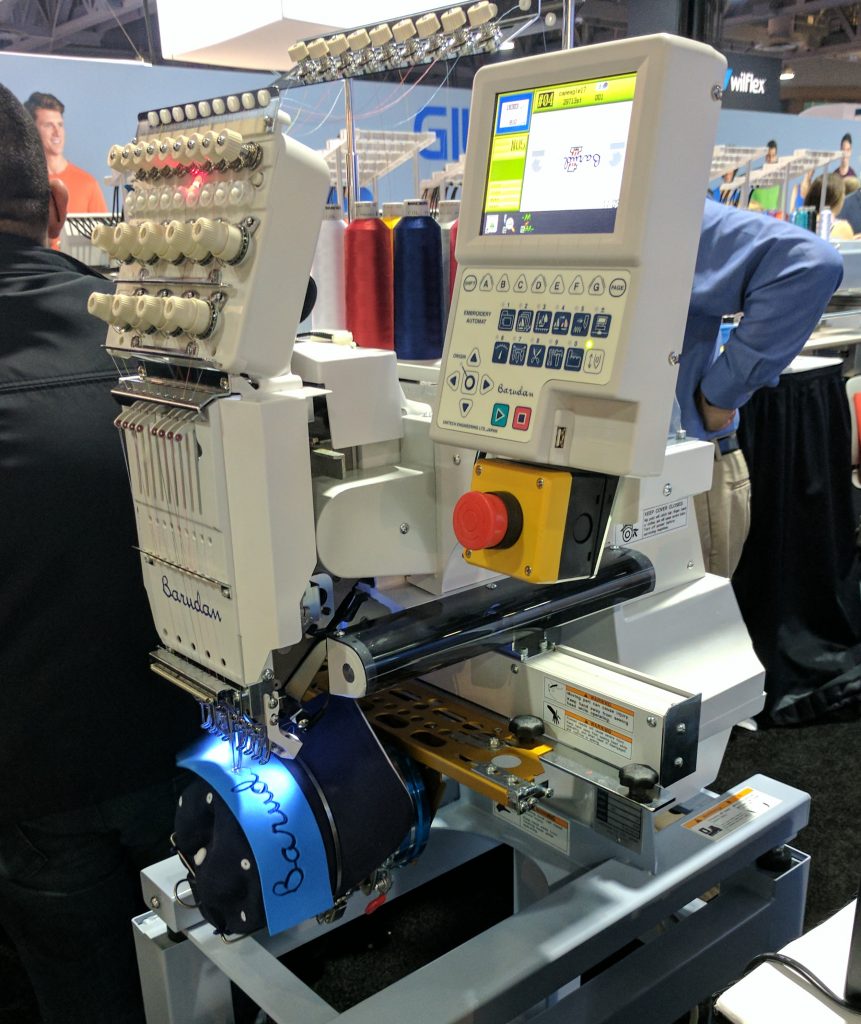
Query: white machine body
228	216
577	238
286	462
216	246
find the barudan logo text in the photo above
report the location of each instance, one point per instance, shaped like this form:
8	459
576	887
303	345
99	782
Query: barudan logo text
194	604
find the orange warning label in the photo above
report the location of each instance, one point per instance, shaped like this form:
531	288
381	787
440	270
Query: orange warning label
589	705
732	813
598	734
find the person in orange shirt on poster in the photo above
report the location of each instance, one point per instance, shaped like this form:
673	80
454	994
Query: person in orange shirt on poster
85	195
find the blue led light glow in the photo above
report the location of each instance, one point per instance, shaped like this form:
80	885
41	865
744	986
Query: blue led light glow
279	825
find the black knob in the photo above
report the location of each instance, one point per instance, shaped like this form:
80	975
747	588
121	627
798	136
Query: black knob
640	780
526	728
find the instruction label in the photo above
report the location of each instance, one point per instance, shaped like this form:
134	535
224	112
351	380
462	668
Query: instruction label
599	735
731	814
542	825
663	518
589	705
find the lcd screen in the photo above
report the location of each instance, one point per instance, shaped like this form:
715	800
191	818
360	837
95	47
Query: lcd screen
557	154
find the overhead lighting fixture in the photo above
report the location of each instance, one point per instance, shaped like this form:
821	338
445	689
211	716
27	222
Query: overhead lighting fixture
787	75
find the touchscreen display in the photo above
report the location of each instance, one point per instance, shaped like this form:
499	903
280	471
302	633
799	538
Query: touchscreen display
556	158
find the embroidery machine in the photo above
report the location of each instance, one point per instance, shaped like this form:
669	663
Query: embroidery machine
487	571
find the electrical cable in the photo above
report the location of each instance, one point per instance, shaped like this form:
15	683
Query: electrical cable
804	972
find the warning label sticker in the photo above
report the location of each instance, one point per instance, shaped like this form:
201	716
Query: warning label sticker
589	705
600	735
540	824
663	518
731	814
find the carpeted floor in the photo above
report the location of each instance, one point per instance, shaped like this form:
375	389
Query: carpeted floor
348	965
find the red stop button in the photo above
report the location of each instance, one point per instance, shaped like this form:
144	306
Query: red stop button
480	520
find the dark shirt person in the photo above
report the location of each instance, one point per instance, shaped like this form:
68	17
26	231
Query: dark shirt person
851	211
844	168
88	736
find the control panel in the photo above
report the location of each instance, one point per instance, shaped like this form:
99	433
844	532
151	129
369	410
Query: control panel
576	253
515	332
215	237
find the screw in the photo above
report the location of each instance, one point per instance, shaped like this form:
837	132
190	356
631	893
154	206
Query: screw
673	359
494	743
681	434
512	780
690	565
455	459
717	93
273	703
224	384
681	728
679	761
539	483
528	570
491	768
668	490
652	722
478	470
515	669
467	553
273	719
405	528
154	902
491	586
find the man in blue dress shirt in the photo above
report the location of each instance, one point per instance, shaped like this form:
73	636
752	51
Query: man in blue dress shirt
780	278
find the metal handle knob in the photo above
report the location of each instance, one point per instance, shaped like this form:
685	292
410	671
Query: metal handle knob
222	240
193	316
125	239
123	311
99	304
150	312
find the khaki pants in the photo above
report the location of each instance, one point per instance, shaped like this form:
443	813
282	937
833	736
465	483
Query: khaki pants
723	513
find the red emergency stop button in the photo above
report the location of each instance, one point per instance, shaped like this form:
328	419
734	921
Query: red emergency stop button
480	520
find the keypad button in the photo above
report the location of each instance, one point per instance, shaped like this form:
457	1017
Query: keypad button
596	286
500	352
555	357
470	383
486	384
576	287
474	358
561	323
522	416
499	416
618	287
594	361
539	283
520	284
518	355
470	282
486	283
543	320
536	355
503	284
557	285
580	324
465	406
601	325
453	380
574	359
506	319
524	321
